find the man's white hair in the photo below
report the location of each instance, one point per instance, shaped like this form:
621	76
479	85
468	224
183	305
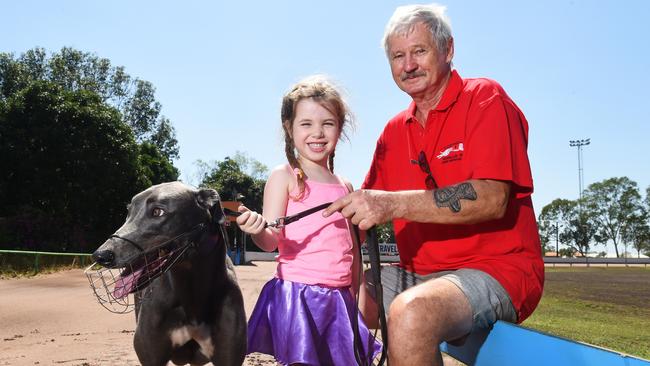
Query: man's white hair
406	17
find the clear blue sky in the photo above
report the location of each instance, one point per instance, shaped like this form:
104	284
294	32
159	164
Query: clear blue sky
578	69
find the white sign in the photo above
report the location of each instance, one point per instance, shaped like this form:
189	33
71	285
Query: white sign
384	249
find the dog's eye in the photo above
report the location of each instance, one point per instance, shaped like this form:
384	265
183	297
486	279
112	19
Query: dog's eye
157	212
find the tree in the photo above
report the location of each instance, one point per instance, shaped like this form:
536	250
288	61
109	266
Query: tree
613	203
164	139
230	180
386	233
637	233
580	231
251	166
73	129
554	215
567	223
75	70
567	252
142	110
155	167
645	249
69	167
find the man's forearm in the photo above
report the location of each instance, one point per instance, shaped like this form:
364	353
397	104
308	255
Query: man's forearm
464	203
453	195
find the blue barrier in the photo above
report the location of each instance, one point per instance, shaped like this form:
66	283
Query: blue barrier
512	345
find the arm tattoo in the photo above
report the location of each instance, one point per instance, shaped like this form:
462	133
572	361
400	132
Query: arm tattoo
451	196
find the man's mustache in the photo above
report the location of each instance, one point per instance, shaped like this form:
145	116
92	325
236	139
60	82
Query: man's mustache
412	74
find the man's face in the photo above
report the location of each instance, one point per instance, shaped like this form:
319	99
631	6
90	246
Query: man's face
417	66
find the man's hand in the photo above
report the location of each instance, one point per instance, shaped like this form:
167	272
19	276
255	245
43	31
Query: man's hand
365	208
250	221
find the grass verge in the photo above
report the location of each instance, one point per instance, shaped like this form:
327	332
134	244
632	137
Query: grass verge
606	307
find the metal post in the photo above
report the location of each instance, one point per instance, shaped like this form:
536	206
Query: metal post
557	240
240	238
579	144
243	247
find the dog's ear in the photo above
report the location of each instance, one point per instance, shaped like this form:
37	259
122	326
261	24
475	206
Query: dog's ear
209	199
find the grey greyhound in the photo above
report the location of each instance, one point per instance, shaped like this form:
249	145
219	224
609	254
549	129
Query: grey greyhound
192	312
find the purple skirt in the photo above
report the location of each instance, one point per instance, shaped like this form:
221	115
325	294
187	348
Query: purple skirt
307	324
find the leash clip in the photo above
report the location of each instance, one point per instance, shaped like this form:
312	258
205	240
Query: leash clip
279	223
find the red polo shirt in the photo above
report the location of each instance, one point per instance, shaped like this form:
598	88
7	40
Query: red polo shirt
475	132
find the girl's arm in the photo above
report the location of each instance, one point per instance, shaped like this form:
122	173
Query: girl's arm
276	193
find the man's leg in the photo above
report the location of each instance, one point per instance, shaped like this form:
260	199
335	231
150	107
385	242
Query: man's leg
394	281
422	317
449	299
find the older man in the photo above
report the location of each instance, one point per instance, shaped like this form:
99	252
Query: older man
452	173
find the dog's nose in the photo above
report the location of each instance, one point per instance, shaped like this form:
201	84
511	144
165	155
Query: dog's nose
104	257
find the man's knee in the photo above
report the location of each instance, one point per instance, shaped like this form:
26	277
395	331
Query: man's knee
406	304
412	313
438	311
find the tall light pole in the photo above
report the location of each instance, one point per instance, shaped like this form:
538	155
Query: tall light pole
579	144
557	239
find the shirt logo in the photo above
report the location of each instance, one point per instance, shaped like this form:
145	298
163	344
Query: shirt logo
451	152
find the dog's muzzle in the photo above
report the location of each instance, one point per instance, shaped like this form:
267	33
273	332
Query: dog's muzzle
112	286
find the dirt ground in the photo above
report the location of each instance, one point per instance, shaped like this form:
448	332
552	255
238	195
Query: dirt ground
54	319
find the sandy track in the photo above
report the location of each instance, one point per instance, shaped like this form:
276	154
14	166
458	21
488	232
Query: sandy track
55	320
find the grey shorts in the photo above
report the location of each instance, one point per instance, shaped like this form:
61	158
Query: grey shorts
489	300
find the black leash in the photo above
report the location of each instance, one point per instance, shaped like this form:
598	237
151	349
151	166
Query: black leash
285	220
372	242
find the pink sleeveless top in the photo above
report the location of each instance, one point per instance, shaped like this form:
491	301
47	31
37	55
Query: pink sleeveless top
316	250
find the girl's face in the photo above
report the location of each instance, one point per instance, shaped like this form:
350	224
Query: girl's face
315	131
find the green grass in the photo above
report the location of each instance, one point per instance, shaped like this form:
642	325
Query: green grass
24	264
8	273
607	307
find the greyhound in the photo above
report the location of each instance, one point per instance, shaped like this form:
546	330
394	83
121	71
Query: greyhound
189	307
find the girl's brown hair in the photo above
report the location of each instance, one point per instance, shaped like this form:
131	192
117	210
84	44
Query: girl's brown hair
324	92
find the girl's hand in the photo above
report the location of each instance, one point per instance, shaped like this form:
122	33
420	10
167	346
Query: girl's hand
250	221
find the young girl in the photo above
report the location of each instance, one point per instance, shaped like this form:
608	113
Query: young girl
304	315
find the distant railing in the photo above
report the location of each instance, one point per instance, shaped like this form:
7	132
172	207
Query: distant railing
21	260
30	261
388	254
587	261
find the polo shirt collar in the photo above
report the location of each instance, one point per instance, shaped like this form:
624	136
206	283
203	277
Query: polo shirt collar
449	97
